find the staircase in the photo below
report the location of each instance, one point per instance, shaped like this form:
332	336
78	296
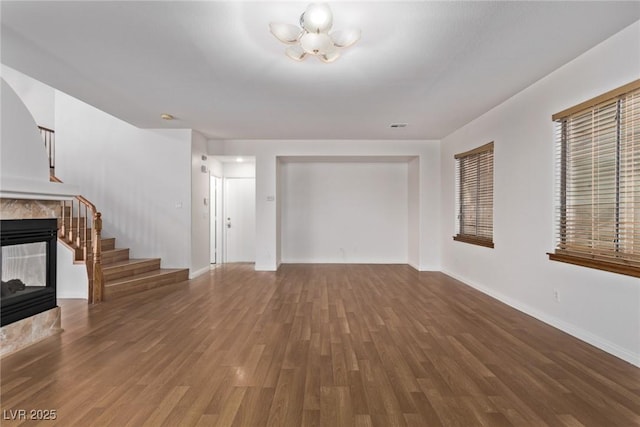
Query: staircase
121	275
124	276
112	273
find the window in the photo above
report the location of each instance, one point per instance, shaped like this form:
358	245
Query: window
598	173
474	179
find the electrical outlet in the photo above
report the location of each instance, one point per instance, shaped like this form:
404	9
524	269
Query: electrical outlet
556	295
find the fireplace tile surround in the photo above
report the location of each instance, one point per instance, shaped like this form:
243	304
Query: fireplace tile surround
25	332
28	209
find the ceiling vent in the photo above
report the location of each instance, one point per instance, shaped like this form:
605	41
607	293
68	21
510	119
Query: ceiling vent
398	125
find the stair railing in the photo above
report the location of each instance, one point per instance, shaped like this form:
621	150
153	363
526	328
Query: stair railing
81	226
49	137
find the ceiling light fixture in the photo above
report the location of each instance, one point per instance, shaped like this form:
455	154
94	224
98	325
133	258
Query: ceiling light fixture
166	116
313	36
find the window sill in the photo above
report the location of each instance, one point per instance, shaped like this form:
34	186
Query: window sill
473	240
626	269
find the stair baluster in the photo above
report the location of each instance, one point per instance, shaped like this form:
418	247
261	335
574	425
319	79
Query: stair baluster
98	282
63	225
75	231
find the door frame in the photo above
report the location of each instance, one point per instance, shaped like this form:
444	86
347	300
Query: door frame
215	218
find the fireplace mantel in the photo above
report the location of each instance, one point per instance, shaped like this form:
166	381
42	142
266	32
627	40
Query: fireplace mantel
27	189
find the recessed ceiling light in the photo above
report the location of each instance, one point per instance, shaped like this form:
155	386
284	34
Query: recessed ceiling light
166	116
398	125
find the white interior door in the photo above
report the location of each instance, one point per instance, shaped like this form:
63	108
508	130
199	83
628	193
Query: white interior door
240	219
216	219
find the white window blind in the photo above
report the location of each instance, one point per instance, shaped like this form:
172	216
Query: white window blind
598	174
474	179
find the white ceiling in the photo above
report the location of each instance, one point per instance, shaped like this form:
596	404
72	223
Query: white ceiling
217	69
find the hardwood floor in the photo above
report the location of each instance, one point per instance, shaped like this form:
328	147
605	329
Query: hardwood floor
315	345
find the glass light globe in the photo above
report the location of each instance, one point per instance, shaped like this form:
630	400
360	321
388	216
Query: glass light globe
345	38
329	57
286	33
316	44
317	18
295	52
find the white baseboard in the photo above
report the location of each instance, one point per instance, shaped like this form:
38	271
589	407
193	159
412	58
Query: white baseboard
266	267
586	336
193	275
435	268
72	295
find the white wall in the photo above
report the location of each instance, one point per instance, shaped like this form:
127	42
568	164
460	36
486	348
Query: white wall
24	164
22	152
38	97
139	179
267	152
239	170
72	280
215	167
200	223
344	212
599	307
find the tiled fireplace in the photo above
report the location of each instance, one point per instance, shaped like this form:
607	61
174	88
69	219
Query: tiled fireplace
29	310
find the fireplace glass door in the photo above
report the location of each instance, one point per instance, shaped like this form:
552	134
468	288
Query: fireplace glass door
24	268
27	264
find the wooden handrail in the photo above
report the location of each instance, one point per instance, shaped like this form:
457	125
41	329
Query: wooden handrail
90	205
75	228
82	199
